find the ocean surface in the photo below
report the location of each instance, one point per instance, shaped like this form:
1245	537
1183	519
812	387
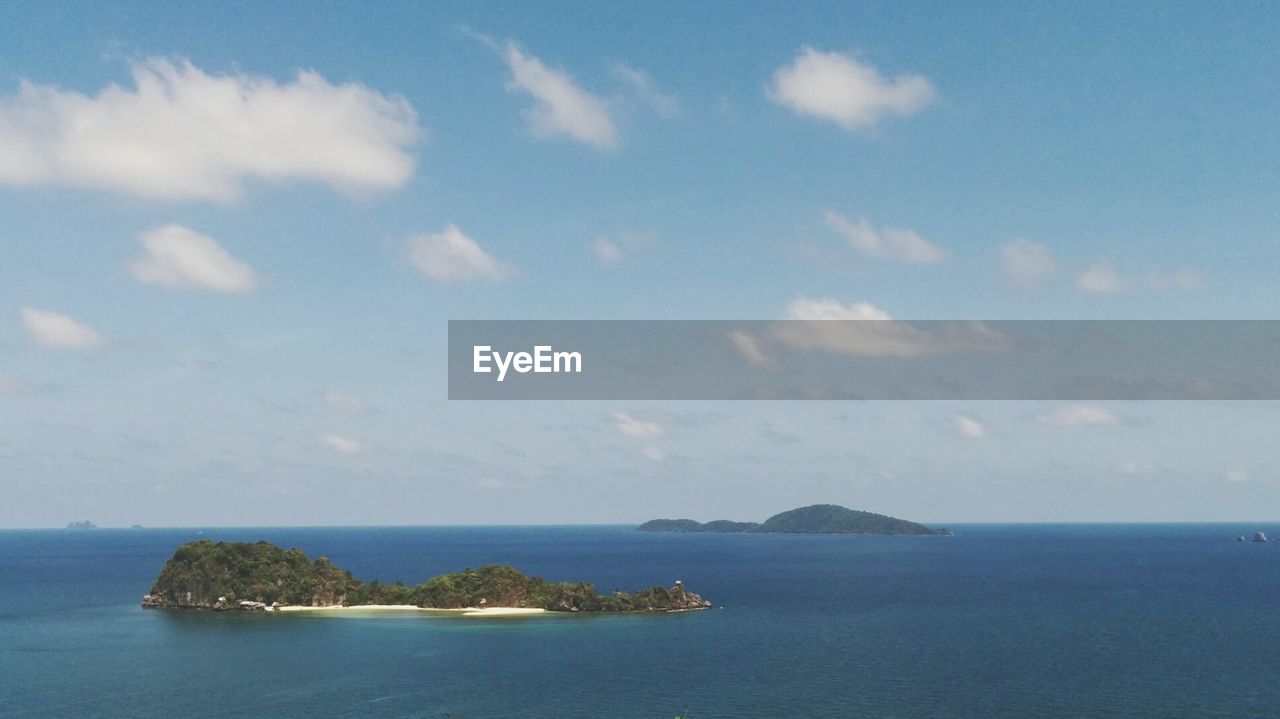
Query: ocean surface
997	621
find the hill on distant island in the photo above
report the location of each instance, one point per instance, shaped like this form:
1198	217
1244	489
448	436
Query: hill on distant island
814	519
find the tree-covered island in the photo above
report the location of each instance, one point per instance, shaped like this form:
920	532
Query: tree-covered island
253	576
814	519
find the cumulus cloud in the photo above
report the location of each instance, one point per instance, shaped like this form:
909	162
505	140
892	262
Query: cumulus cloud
50	329
560	107
860	329
343	445
342	402
641	86
1078	415
969	427
636	428
180	133
655	454
612	250
451	256
1026	263
882	338
751	349
889	242
846	91
631	426
607	251
180	258
828	309
1238	475
1102	278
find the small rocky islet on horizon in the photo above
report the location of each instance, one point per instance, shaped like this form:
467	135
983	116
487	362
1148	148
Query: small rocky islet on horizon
813	519
260	576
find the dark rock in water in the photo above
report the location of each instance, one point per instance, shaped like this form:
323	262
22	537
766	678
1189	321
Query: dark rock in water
1240	538
1259	537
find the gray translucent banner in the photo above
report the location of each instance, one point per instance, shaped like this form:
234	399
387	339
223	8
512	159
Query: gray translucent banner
864	359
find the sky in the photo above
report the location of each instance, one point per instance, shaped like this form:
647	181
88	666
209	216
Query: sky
233	235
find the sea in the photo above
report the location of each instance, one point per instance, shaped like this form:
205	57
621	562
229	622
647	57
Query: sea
1152	620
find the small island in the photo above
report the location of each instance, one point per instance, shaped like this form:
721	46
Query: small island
86	524
814	519
261	576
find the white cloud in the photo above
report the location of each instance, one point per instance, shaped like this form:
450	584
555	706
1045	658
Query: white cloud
1101	278
560	108
607	251
50	329
451	256
1238	475
883	338
182	134
1078	415
632	426
342	402
613	250
1026	263
969	427
642	86
806	309
888	242
751	349
180	258
344	445
655	454
850	93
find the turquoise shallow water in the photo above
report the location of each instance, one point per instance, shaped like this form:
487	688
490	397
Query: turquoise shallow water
998	621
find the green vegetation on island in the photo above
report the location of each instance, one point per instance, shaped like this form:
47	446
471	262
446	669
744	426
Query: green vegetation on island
814	519
242	575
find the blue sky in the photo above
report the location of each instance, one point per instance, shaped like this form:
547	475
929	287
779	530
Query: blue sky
257	288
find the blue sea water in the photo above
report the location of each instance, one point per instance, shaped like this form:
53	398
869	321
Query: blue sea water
997	621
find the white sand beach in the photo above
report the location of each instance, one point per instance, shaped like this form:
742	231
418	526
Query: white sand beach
375	608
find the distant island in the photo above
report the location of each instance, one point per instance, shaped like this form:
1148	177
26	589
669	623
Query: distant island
262	576
814	519
86	524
